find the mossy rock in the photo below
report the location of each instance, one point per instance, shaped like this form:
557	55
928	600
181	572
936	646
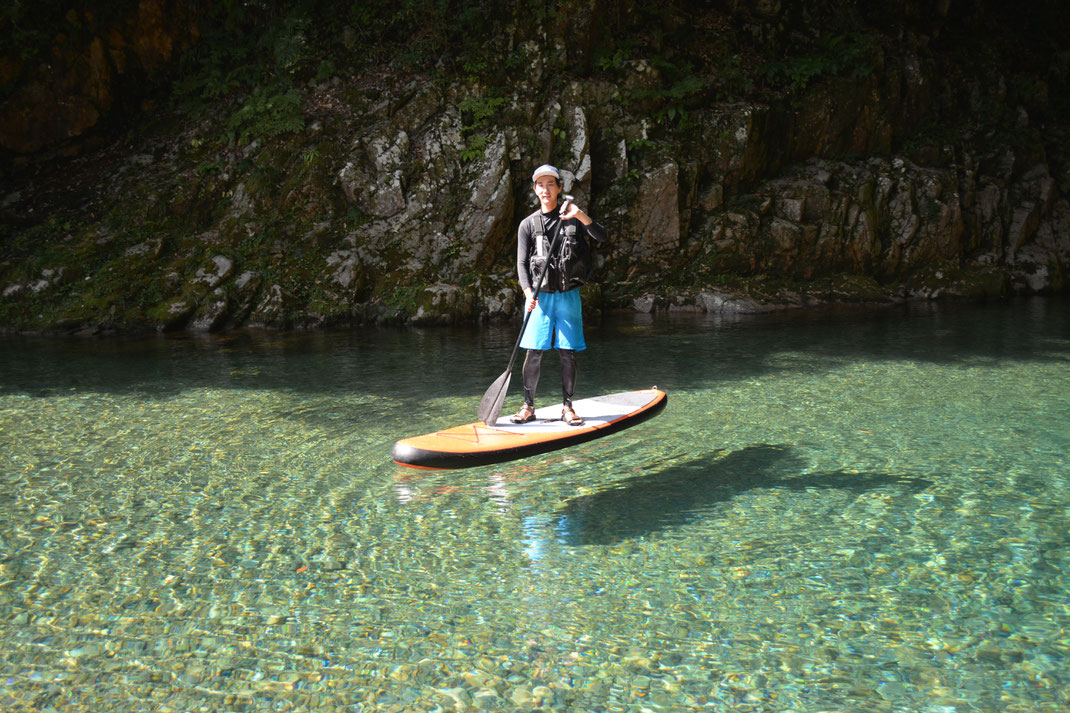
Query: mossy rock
984	281
857	288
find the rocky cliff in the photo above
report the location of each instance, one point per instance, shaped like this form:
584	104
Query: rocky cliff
81	66
744	156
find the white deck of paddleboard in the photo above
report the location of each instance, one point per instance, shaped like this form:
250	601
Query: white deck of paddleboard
594	411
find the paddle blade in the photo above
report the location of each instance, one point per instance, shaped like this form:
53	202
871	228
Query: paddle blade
491	405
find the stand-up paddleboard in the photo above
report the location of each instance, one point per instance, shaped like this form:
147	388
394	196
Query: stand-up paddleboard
479	444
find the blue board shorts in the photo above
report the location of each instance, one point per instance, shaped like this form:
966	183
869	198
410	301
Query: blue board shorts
556	322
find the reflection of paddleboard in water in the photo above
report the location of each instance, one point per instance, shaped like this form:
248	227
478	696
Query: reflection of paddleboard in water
479	444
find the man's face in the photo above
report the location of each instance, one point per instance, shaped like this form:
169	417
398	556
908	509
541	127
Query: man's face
547	190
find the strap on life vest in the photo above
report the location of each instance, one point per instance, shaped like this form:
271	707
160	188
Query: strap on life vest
541	247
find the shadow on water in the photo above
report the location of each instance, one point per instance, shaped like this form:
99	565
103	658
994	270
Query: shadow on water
734	347
414	365
667	498
393	362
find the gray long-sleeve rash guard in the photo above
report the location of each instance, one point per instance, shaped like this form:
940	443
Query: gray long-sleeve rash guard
524	248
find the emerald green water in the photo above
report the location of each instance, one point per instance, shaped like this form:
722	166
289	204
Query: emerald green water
841	511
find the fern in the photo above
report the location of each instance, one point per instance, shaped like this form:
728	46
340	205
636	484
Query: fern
266	112
837	55
480	111
673	100
475	148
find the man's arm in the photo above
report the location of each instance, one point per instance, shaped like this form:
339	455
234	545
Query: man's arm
593	227
523	255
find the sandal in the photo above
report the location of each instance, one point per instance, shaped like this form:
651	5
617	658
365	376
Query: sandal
524	415
569	416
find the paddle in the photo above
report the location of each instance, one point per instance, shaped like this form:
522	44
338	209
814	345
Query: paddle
491	405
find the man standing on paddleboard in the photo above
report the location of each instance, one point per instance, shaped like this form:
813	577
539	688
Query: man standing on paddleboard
557	318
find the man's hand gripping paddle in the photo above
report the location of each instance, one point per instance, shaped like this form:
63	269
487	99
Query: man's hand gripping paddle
491	405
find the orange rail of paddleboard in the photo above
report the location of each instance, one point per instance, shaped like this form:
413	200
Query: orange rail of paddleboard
479	444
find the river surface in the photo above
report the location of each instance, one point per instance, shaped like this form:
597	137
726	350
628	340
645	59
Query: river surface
837	511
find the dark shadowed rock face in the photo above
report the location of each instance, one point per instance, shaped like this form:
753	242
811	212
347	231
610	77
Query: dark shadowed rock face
92	68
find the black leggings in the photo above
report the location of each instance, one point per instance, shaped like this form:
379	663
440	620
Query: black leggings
532	364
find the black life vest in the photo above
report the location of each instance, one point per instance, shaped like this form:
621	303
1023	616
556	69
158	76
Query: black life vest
571	267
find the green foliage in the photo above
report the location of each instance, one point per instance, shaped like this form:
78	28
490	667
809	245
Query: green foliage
474	148
611	61
288	43
326	70
475	69
672	102
681	90
224	68
560	129
480	110
836	55
640	152
26	245
676	97
425	33
479	113
733	82
208	168
266	112
404	298
799	72
641	146
256	60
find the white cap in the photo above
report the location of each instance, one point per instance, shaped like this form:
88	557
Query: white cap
545	170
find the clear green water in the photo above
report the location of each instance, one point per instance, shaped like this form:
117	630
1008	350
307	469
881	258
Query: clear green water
836	512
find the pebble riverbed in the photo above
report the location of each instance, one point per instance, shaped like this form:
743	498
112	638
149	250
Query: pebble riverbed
863	514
